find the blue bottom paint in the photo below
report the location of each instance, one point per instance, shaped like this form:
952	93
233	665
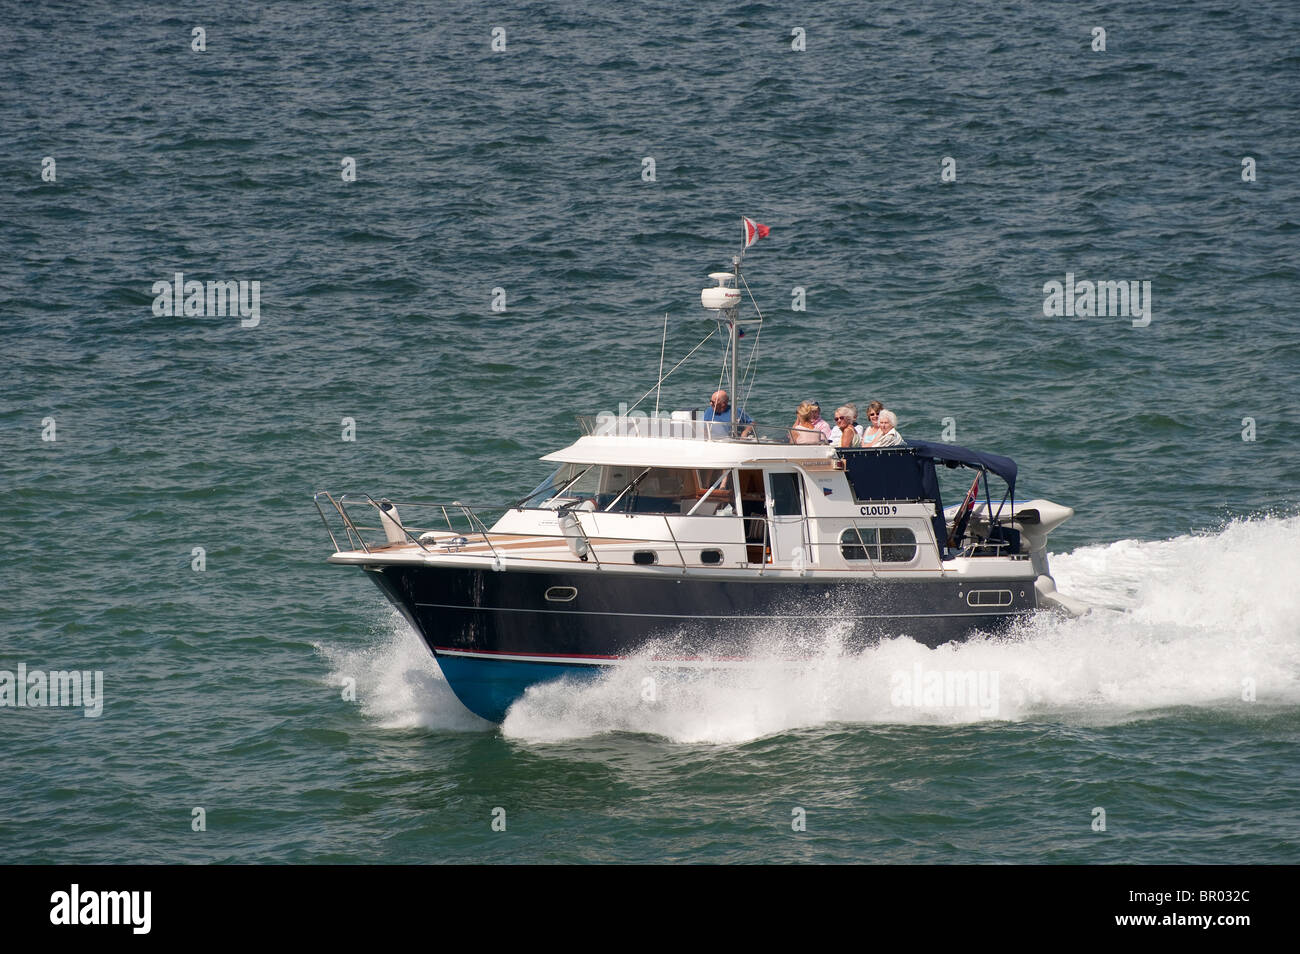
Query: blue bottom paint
488	687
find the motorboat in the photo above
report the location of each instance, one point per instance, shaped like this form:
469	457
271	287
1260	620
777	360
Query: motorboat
677	536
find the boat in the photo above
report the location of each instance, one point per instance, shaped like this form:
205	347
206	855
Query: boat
674	537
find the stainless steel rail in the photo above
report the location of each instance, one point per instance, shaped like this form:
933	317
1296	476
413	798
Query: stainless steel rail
644	425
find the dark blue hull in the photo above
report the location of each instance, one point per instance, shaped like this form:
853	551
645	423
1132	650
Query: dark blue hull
496	633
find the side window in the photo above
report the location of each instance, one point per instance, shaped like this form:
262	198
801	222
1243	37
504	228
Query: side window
785	495
878	544
859	544
897	545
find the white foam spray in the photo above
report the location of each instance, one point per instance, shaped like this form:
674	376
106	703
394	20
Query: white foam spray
398	682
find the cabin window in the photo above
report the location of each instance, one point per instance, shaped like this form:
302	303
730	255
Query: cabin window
854	543
878	544
545	490
644	557
897	545
785	495
574	483
711	556
561	594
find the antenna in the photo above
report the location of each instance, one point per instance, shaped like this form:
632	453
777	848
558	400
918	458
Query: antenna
724	298
663	344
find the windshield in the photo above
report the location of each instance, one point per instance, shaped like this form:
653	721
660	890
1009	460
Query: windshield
620	489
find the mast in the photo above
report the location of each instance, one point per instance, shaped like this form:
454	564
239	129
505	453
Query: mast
724	298
733	315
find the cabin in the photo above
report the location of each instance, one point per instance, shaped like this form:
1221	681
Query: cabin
633	491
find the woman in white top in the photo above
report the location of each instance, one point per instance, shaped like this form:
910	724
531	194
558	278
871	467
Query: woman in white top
846	433
890	438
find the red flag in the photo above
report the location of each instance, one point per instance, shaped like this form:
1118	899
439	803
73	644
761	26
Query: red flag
753	231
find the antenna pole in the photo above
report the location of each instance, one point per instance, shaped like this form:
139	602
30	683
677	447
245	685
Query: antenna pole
662	345
732	315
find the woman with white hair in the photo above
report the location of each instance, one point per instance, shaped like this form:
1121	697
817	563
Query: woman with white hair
847	433
888	421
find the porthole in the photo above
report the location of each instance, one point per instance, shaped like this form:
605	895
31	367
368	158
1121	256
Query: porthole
561	594
988	598
644	557
711	556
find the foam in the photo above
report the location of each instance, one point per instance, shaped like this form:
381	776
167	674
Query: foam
398	682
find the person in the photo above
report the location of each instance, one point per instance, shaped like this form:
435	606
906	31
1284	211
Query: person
802	430
821	426
719	412
890	438
874	430
847	433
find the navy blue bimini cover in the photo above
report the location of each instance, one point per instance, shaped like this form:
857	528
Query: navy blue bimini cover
893	473
1004	467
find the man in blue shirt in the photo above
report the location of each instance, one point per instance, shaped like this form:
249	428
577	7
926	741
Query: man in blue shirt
719	411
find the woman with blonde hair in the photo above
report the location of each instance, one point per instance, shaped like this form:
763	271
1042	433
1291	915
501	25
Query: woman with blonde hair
802	431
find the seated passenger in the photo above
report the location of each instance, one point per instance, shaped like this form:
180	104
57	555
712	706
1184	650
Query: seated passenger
890	438
802	430
873	431
821	426
846	432
720	414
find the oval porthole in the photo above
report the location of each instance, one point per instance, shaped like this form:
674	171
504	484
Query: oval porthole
711	556
561	594
988	598
644	557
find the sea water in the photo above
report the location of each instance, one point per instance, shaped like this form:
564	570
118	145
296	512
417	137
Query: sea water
458	244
